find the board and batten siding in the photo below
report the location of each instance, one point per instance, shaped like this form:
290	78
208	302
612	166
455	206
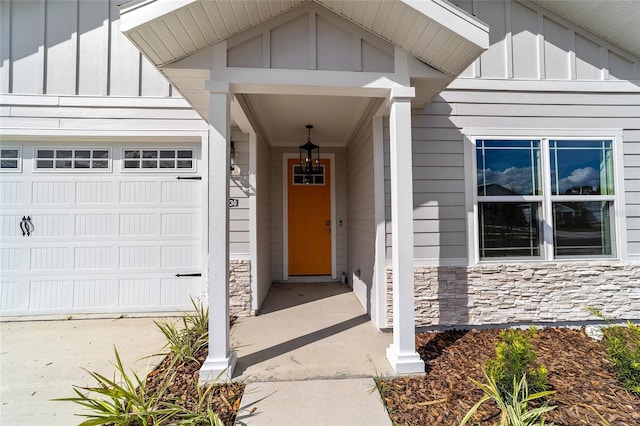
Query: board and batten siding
529	42
361	229
72	47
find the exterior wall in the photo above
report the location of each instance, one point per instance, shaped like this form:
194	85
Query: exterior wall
72	47
264	207
305	38
438	187
632	189
240	189
585	99
361	226
277	187
240	288
537	292
528	42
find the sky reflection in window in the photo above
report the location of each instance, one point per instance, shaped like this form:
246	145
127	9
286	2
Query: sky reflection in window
508	167
581	167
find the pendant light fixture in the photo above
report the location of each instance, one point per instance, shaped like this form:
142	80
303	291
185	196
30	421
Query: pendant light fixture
310	156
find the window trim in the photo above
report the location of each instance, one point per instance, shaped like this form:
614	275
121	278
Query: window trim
74	148
193	159
618	223
19	158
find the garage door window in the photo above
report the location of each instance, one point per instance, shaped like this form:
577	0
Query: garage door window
161	159
10	159
73	159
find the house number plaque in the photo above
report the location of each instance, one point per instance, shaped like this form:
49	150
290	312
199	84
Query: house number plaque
233	202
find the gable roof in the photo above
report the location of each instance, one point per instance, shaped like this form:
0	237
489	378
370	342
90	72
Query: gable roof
435	31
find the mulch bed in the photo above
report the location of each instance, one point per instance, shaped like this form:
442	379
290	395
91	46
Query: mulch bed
183	388
587	391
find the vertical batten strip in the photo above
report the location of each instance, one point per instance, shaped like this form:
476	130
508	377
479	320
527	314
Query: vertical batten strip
508	39
313	44
571	35
5	47
541	57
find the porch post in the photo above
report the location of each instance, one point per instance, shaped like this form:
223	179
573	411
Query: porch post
221	359
402	353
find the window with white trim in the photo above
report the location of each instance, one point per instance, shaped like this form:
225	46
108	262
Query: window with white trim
162	159
545	198
10	159
83	159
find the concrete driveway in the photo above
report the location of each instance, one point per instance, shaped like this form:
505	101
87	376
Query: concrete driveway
41	359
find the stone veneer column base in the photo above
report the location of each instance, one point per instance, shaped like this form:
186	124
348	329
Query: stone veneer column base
240	288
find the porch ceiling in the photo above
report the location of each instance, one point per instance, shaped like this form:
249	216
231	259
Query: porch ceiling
283	117
436	32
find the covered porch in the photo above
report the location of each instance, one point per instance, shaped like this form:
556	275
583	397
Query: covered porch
257	82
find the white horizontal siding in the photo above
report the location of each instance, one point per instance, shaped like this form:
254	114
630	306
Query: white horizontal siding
361	229
438	186
239	189
48	114
632	187
439	169
263	226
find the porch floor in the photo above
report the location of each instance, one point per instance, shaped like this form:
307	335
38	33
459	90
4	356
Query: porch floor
309	358
309	331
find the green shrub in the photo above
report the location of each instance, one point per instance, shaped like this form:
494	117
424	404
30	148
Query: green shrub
185	341
514	405
623	346
123	402
515	359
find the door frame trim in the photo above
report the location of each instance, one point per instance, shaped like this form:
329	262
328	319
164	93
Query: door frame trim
285	211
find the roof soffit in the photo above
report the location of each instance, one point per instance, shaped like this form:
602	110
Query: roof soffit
435	32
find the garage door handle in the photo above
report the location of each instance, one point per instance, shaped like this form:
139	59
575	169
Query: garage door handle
23	223
189	178
188	275
29	226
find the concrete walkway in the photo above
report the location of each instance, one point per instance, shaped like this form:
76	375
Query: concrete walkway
309	358
42	358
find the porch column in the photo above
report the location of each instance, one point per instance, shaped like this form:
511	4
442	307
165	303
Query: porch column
221	359
402	353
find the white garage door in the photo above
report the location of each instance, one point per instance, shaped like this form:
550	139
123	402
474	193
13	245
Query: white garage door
94	227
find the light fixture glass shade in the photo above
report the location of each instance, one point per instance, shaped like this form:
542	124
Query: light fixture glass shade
310	155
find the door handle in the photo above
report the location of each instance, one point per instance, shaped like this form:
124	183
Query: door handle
29	226
23	223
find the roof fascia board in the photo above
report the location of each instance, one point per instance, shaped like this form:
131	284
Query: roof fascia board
458	21
137	13
617	86
302	82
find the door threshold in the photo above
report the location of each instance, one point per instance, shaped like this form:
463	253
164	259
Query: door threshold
310	279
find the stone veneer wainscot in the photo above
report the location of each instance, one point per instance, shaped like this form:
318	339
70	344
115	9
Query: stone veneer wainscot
240	288
490	293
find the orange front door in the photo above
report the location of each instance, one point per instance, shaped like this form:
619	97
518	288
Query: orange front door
309	210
